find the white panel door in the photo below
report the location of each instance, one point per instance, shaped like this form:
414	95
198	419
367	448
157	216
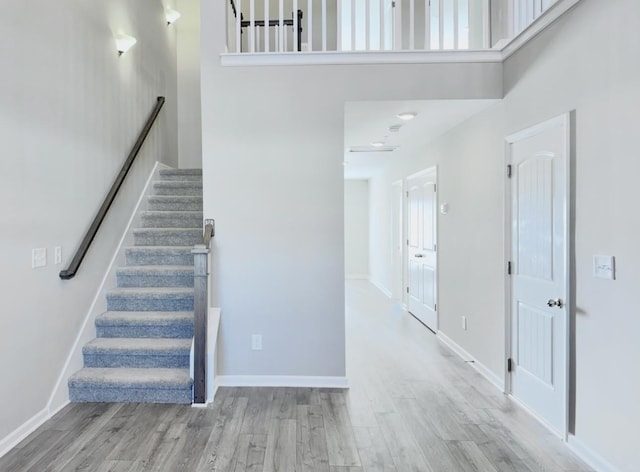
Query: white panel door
539	196
421	248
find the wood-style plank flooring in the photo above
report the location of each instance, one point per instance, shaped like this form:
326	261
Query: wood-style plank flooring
413	405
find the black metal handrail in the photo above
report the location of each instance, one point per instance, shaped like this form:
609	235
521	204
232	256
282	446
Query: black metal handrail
201	312
71	271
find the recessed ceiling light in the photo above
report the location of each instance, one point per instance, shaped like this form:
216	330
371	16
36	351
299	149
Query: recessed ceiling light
377	144
407	115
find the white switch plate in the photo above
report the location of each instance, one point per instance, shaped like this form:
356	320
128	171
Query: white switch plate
57	255
604	267
444	208
256	342
38	257
464	323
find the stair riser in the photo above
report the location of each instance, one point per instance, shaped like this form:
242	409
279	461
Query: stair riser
180	190
127	280
172	220
162	205
126	360
173	331
130	395
127	303
159	238
137	258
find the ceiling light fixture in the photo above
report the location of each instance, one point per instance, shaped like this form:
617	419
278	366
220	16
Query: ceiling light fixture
377	144
172	16
124	42
407	115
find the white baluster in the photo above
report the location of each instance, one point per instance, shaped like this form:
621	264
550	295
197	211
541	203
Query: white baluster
267	30
441	25
252	26
412	24
310	25
456	23
367	28
324	23
397	41
281	29
296	20
382	25
353	25
239	27
427	25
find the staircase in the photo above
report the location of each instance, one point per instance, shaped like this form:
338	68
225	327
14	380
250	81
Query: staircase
141	353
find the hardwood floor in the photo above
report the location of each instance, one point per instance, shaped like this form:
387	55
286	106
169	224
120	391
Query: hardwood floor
413	405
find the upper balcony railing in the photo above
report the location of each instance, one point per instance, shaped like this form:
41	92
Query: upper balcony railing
308	26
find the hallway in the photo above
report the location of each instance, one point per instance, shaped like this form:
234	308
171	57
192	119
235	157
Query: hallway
413	405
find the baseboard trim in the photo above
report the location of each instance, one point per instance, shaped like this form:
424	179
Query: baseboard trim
385	291
24	430
281	381
592	458
478	366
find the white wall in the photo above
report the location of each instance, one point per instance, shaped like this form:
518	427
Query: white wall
356	228
70	109
580	63
272	157
189	100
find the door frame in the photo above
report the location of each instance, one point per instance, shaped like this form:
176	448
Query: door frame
565	120
405	233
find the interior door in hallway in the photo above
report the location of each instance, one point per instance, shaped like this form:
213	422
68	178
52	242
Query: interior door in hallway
421	247
539	227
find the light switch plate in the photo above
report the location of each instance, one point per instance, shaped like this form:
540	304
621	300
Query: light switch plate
57	255
604	267
38	257
444	208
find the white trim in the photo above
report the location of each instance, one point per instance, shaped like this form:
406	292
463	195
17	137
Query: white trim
478	366
502	51
539	418
356	277
75	353
385	291
564	120
554	12
592	458
360	57
281	381
13	439
213	329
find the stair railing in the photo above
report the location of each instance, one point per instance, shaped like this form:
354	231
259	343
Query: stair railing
201	311
82	250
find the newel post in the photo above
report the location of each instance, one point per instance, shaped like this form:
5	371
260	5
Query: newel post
200	306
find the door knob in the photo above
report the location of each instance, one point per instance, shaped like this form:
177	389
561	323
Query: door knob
555	302
419	255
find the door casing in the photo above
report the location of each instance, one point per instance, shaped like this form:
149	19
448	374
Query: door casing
564	120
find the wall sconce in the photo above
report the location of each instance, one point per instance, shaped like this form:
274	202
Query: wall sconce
172	16
124	42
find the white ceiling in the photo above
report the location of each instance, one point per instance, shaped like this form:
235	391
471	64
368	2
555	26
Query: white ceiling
367	122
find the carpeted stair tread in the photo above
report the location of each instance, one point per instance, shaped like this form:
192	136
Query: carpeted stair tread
177	187
159	255
137	353
150	299
145	324
122	378
138	346
171	219
181	174
174	203
167	236
155	276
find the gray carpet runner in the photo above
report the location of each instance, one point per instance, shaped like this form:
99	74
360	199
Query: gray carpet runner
141	353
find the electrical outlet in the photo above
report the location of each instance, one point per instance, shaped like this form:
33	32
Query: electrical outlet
57	255
39	257
464	323
256	342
